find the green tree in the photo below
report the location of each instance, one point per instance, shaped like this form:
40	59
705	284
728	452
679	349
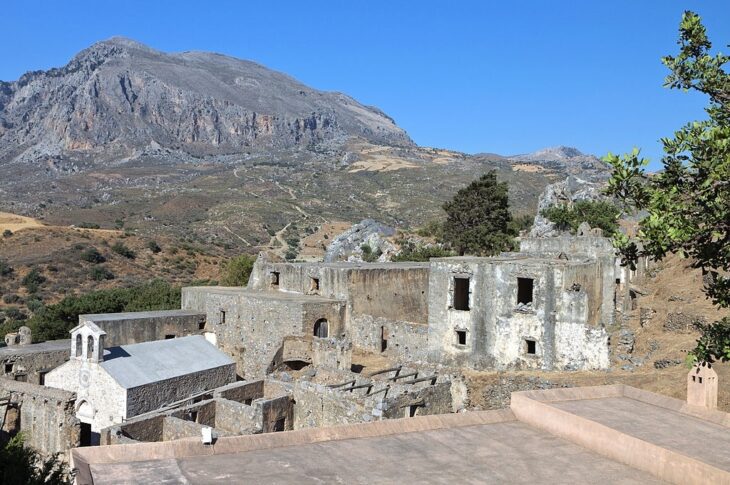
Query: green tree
22	465
238	270
600	214
478	218
688	203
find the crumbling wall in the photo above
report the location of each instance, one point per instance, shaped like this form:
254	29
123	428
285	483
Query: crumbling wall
407	341
175	428
418	400
237	418
137	327
558	325
44	415
30	363
243	392
251	326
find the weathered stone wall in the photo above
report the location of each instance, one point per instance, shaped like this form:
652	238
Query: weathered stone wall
150	429
256	323
238	418
28	363
562	322
153	396
137	327
241	391
395	292
44	415
407	341
599	249
101	402
424	397
176	428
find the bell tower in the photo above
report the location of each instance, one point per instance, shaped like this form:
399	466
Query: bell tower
87	343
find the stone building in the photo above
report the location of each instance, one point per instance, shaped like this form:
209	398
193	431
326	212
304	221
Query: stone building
116	383
251	326
545	307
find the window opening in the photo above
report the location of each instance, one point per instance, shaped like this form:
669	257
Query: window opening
461	293
530	346
525	288
321	329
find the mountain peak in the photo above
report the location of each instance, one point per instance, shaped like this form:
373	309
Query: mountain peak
557	153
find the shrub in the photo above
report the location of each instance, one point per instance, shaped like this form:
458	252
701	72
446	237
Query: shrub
33	280
368	255
92	255
121	249
154	247
238	270
5	268
413	252
290	254
7	233
599	214
88	225
20	464
100	273
14	313
11	298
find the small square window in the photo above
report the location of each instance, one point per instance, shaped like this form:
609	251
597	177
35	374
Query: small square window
461	337
314	284
530	346
275	278
8	368
223	316
201	325
169	337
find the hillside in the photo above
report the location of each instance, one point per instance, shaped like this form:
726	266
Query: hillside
223	151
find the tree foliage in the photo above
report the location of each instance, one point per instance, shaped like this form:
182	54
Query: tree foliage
54	321
601	214
238	270
478	218
22	465
415	252
688	203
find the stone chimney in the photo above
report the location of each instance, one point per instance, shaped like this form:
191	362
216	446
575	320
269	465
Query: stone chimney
702	386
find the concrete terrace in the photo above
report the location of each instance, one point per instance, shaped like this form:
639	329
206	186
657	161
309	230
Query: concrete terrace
603	434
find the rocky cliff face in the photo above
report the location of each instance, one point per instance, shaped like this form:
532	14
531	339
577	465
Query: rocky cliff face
119	99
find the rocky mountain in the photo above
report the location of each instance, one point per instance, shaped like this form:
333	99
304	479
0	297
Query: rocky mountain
216	150
569	159
119	98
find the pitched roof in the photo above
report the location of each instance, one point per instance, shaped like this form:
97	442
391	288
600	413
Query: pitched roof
139	364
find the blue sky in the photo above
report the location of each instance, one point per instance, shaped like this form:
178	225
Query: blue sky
502	77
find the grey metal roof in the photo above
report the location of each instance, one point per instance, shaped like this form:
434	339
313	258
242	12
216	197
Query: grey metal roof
139	364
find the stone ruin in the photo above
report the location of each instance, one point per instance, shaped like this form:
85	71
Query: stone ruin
292	333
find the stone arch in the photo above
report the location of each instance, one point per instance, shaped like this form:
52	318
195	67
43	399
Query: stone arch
321	328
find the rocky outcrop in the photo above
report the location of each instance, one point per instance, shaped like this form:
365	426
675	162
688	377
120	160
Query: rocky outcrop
365	241
568	191
121	99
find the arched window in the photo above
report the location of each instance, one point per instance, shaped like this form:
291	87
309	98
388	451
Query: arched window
321	328
79	345
90	347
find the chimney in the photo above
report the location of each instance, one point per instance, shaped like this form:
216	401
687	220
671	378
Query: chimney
702	386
